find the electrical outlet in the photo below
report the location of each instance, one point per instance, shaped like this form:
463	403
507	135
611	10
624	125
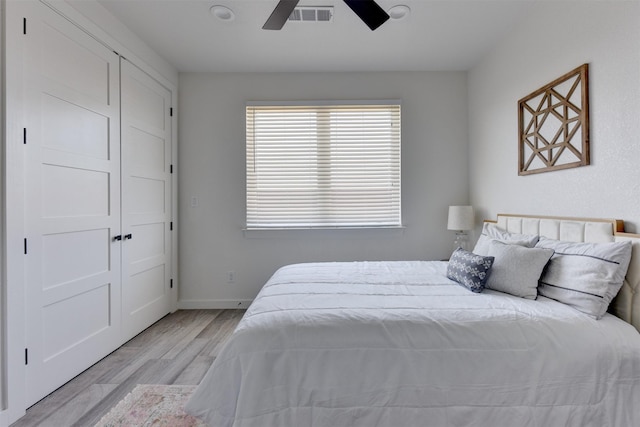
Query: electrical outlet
231	276
194	202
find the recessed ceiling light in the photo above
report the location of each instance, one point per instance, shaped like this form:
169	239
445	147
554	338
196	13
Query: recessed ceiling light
223	13
399	12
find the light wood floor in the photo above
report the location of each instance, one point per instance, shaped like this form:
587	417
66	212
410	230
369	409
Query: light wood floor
178	349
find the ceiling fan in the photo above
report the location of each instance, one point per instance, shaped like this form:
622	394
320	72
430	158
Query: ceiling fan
368	10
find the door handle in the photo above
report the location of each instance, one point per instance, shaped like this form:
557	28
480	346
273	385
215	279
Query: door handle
128	236
117	238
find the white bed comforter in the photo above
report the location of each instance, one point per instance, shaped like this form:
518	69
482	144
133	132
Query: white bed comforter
398	344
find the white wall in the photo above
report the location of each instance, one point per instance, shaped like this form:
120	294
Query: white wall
212	168
556	38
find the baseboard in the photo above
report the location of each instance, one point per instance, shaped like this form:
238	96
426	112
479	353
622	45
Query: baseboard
203	304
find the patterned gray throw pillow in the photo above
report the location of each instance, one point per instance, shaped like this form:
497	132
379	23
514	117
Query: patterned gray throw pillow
469	270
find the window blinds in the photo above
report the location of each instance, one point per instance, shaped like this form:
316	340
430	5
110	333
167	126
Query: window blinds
323	166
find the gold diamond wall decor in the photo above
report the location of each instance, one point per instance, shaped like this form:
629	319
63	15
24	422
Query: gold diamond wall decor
554	125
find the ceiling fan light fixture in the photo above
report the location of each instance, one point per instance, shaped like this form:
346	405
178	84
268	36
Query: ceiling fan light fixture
223	13
399	12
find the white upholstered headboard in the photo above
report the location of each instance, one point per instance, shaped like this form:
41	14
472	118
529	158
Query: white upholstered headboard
627	304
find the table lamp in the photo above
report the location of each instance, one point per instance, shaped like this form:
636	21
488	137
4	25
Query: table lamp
461	220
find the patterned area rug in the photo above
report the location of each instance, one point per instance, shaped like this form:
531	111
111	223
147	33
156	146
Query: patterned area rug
153	405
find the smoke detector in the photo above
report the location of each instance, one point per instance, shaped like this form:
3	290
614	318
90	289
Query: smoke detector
399	12
222	13
312	14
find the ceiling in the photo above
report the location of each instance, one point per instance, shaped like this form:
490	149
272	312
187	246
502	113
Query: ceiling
437	35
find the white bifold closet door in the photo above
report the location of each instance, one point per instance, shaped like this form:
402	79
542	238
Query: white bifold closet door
72	201
97	162
146	199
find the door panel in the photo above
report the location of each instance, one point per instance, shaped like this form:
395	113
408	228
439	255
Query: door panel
79	65
69	257
149	242
74	129
72	201
149	152
146	198
74	192
145	289
63	329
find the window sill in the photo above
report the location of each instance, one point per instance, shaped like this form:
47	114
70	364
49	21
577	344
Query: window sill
342	232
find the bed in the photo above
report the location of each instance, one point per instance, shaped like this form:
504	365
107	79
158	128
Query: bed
401	344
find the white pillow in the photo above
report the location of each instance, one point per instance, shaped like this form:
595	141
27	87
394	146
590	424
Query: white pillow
493	232
516	269
586	276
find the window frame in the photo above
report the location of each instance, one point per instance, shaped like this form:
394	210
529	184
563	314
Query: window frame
323	105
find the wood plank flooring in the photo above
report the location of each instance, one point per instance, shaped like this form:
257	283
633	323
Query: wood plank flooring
178	349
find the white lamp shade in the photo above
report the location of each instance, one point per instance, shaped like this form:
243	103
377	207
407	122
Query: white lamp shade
460	218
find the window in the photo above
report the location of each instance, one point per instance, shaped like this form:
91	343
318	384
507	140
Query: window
323	166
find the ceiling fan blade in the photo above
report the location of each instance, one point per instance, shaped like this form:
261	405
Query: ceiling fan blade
280	15
369	11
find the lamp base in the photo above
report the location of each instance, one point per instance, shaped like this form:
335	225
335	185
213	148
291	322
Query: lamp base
461	241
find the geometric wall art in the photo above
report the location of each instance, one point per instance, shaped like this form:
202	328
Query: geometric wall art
554	125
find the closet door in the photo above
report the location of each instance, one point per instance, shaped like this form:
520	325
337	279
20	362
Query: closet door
146	199
72	201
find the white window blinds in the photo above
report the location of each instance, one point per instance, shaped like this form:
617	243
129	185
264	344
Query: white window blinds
323	166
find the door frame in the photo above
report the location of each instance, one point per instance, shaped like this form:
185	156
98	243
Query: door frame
12	304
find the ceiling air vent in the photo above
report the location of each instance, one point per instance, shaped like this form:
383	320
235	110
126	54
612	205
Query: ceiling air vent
312	14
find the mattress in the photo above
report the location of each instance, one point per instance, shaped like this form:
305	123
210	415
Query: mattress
399	344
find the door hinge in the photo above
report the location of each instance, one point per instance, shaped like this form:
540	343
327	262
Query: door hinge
171	283
26	356
171	226
25	246
171	112
24	135
24	25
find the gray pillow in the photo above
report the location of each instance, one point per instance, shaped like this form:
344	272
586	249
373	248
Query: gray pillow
586	276
516	269
493	232
469	270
